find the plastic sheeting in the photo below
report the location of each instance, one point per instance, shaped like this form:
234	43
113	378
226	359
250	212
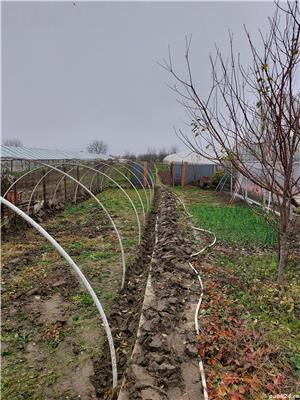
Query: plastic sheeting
28	153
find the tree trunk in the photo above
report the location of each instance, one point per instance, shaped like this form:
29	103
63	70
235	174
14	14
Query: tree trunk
283	241
283	256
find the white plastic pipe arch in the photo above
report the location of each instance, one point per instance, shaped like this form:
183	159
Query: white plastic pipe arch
81	277
130	170
60	181
94	197
148	177
121	173
111	179
104	174
125	193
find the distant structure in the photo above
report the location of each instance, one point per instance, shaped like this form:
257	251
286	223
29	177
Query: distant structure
189	157
188	167
15	158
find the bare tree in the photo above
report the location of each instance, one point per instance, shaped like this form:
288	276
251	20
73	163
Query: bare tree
251	114
128	155
156	155
97	147
13	143
173	149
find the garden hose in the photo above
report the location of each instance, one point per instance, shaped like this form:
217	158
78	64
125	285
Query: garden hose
198	253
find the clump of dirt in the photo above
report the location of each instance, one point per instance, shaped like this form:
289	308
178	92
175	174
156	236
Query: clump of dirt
164	361
125	313
157	357
40	212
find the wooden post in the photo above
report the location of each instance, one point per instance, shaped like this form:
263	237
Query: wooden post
15	201
11	166
65	183
44	189
184	173
32	179
145	173
78	178
98	180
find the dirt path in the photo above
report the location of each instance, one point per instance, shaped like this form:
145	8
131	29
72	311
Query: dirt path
51	328
125	313
164	361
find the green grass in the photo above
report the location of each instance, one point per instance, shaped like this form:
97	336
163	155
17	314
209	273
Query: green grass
235	224
244	268
86	233
270	309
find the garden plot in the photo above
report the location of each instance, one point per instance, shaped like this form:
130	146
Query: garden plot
164	363
249	340
54	345
51	329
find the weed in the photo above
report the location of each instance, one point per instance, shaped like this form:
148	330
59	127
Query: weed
250	326
235	224
83	230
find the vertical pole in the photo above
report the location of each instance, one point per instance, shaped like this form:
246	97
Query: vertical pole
78	178
98	181
15	201
269	201
231	180
11	166
33	179
65	183
145	173
183	173
44	189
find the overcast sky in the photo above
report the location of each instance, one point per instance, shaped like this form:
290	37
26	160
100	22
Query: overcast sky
71	74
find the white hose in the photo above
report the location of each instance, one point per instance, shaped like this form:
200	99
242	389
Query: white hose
82	278
201	367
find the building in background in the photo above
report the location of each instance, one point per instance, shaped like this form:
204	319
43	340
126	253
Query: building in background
188	167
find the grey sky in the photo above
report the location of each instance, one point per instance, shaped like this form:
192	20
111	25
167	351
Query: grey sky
71	74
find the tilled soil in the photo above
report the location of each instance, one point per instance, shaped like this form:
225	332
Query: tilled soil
50	328
125	313
163	362
152	318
